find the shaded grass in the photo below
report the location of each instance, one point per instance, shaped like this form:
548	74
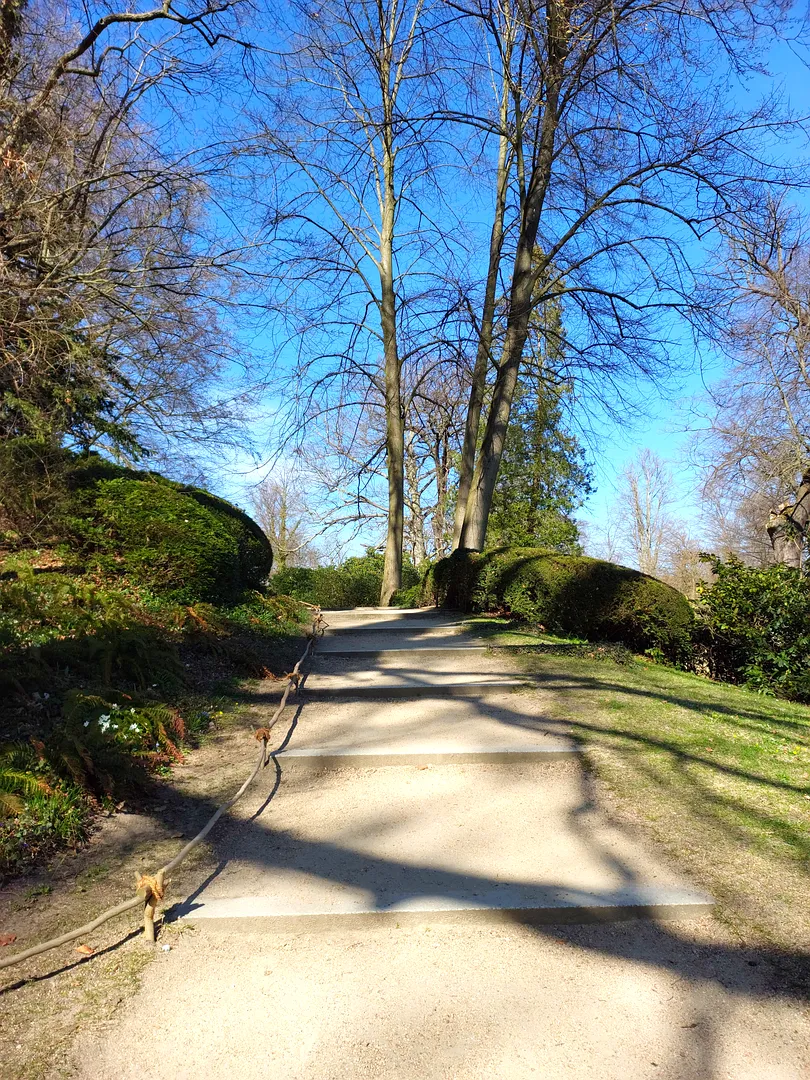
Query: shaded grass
718	774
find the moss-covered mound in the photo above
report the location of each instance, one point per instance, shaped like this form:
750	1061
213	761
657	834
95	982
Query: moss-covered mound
179	540
569	593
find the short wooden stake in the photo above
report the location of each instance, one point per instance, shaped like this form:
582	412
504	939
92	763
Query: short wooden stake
153	896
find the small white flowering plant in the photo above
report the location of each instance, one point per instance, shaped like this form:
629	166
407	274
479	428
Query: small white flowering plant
110	729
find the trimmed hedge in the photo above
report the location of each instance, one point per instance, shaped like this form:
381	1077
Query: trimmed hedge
181	541
569	593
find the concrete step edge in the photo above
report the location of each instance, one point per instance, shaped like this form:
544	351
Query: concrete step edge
385	690
391	628
322	759
359	650
548	906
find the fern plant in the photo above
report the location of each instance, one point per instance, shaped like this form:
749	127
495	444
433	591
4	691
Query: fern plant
17	778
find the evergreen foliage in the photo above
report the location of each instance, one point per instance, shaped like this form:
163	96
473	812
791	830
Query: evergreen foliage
543	477
569	593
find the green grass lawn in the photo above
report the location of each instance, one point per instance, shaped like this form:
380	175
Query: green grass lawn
718	774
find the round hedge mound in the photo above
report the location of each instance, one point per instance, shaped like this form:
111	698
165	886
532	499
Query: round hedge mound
570	593
179	540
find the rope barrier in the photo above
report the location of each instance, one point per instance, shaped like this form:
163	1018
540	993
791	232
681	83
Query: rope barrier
150	888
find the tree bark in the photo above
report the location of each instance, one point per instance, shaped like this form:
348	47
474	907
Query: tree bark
416	526
282	532
441	455
484	349
394	419
788	524
521	295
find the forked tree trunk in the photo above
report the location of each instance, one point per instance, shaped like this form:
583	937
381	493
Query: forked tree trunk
521	294
484	349
788	524
479	503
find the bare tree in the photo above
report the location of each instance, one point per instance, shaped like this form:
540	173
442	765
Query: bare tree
756	451
347	126
627	149
282	509
110	288
683	567
602	540
645	495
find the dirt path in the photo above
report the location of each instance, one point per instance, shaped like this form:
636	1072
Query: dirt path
507	995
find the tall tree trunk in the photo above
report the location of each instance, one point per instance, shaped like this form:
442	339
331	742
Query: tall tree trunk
282	532
521	295
788	524
440	459
394	420
484	350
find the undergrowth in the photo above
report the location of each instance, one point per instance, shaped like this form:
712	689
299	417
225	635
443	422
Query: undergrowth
103	682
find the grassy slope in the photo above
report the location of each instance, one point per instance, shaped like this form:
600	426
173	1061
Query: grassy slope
719	775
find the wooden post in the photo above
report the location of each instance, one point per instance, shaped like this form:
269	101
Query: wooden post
153	896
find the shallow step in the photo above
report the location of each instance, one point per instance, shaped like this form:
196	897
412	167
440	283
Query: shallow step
321	759
338	646
548	905
391	683
451	842
357	614
482	727
394	626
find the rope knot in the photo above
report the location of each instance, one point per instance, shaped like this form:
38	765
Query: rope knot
152	886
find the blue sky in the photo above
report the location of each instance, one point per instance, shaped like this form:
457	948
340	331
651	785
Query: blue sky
664	425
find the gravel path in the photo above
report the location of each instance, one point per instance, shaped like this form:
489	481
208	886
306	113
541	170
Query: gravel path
501	993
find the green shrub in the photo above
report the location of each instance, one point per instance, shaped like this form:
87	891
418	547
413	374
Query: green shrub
355	583
177	540
569	593
754	627
411	597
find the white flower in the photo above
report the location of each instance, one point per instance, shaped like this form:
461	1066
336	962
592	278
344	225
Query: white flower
116	706
87	723
132	710
134	727
103	717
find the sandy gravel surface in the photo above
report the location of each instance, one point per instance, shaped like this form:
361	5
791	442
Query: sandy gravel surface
445	1003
